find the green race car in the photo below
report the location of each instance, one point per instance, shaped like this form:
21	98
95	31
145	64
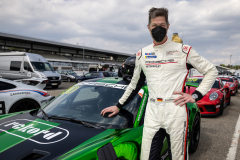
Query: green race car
71	127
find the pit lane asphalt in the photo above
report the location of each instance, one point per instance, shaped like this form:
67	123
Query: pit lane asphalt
216	132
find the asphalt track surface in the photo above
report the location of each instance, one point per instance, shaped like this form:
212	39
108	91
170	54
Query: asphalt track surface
216	132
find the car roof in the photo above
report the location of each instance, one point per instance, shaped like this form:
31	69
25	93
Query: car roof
18	84
225	76
99	72
201	77
114	80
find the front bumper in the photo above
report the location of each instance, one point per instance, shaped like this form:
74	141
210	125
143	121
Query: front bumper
54	82
208	108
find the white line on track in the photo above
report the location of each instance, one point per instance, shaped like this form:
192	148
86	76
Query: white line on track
235	140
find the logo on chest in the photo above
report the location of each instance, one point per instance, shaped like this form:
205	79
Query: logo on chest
150	55
171	53
157	64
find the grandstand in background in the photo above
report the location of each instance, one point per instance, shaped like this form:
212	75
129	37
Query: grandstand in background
64	55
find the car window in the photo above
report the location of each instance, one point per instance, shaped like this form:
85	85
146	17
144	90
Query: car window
88	74
95	74
221	83
226	79
85	94
71	72
106	74
27	67
15	65
6	86
85	102
199	80
42	66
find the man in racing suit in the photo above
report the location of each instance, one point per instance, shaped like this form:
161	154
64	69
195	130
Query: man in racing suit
165	66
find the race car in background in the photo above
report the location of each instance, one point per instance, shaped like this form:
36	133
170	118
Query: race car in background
215	100
71	127
17	96
236	80
228	81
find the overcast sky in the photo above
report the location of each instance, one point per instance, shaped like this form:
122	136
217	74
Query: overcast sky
211	27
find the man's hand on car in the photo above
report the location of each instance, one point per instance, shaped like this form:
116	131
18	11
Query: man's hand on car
113	109
183	99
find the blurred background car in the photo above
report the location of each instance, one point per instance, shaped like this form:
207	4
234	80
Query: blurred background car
17	96
228	80
113	74
215	100
235	78
93	75
22	65
68	75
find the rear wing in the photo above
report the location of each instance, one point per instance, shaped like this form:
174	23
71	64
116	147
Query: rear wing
37	82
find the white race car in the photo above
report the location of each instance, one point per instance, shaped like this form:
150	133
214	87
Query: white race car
16	96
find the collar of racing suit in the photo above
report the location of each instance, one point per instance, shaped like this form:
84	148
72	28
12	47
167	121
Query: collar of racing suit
161	43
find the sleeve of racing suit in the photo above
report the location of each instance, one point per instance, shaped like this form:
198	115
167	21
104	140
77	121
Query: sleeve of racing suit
204	67
138	80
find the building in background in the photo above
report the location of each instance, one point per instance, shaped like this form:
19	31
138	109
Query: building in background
63	56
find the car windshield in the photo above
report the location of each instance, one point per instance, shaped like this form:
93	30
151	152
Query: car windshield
199	80
226	79
42	66
85	102
71	72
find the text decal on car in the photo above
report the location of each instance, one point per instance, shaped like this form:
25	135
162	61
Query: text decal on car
111	85
37	131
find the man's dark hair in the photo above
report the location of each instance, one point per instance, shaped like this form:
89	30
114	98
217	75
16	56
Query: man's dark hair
156	12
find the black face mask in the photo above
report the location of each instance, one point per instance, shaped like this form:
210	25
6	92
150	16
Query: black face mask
159	33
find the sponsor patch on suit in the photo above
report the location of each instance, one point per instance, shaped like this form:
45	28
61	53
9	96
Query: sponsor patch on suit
151	56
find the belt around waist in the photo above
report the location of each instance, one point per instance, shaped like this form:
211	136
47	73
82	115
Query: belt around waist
170	99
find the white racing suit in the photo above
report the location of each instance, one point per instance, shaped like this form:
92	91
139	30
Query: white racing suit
165	68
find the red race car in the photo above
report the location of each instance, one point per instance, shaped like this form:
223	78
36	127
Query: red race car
229	81
215	100
236	82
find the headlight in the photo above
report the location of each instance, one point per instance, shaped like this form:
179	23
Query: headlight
213	96
232	85
59	77
43	76
73	77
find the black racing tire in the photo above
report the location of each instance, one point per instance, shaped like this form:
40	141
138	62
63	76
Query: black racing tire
195	134
229	102
221	107
23	105
55	87
68	80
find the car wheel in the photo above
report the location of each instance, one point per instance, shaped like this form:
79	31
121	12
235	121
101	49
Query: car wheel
229	100
78	81
68	80
23	105
195	134
221	107
54	87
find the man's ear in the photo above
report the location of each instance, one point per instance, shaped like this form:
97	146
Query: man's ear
148	28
